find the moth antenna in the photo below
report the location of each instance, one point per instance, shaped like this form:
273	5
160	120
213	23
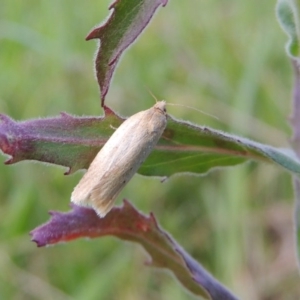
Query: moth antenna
150	92
183	105
196	109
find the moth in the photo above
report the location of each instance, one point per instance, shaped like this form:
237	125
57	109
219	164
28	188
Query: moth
120	158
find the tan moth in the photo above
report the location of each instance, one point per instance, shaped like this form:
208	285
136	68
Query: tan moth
120	158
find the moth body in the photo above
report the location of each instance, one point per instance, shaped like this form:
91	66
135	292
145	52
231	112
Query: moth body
120	158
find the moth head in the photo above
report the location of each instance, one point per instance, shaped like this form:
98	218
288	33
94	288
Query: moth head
161	106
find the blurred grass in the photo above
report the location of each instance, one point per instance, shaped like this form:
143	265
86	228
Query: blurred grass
224	57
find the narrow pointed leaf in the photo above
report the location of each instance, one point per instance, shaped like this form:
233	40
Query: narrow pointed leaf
127	223
74	141
295	124
297	217
124	25
288	13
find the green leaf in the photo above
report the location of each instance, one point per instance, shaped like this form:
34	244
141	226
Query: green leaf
184	147
124	25
288	15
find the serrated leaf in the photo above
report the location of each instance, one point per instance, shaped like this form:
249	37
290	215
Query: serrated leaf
124	25
65	140
288	15
74	141
127	223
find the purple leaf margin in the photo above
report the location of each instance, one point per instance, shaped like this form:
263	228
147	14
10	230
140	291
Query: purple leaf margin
125	24
129	224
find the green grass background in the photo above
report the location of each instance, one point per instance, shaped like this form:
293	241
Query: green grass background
224	57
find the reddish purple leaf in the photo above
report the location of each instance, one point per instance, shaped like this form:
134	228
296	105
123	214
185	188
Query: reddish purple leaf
124	25
127	223
65	140
295	124
74	142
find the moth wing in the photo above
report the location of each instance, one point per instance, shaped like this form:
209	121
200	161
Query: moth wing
120	167
101	200
118	160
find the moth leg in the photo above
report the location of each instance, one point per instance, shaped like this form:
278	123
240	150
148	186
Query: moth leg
112	127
